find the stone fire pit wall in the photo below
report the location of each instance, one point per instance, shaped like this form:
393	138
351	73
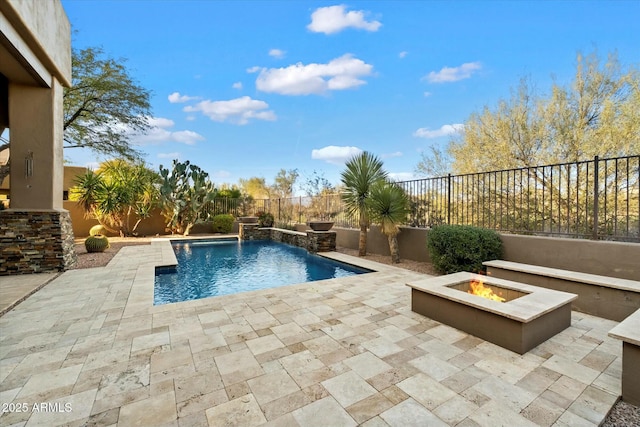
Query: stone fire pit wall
312	241
517	325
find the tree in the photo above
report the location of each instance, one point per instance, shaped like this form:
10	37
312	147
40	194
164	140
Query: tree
388	204
103	109
317	184
597	114
433	164
283	183
255	187
184	191
105	106
116	192
324	205
361	173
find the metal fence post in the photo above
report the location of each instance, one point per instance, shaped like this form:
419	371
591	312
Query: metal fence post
449	199
596	191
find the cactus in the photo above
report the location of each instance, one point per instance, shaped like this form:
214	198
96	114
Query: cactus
97	243
96	229
184	192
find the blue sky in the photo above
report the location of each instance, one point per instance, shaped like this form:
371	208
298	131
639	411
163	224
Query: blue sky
245	88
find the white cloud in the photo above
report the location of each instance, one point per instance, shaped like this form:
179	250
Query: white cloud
427	94
160	122
403	54
92	165
188	137
237	85
443	131
333	19
238	111
176	98
334	154
453	74
389	155
254	69
159	132
340	73
402	176
174	155
277	53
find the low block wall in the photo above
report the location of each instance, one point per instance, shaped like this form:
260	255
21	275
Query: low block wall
602	301
629	332
412	242
613	259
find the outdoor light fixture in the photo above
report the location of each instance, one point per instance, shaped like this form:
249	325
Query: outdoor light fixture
28	165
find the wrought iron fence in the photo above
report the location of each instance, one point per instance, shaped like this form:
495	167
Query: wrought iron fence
597	199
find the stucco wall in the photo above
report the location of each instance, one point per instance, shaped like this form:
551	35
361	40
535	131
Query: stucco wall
614	259
45	30
412	242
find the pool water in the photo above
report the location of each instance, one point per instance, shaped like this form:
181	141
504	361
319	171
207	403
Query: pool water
220	267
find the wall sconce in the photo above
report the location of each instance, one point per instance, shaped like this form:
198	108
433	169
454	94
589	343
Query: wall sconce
28	165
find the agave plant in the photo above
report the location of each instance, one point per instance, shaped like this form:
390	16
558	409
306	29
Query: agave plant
388	206
361	173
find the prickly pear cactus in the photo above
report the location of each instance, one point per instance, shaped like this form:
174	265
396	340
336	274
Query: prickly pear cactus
97	243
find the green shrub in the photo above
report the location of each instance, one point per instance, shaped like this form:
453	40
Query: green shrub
223	223
265	219
455	248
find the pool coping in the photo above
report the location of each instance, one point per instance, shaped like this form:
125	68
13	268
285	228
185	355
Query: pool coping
141	298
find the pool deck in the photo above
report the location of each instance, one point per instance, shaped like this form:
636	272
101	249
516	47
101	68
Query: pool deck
341	352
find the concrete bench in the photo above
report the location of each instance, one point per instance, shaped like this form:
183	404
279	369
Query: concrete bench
629	332
602	296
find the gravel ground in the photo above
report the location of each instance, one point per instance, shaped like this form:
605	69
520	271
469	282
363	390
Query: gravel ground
621	415
101	259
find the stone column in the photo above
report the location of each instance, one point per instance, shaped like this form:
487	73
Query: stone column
321	241
36	233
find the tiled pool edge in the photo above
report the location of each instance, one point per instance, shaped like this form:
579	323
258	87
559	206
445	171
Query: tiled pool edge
140	300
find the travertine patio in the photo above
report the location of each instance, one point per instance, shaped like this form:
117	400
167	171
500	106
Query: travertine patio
341	352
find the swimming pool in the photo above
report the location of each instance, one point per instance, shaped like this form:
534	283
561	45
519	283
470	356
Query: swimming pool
208	268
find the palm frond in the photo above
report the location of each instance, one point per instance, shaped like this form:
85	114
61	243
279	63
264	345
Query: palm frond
388	204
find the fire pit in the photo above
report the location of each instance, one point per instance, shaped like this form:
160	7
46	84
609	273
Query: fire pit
512	315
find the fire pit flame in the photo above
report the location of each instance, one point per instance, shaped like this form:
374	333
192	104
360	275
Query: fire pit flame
478	288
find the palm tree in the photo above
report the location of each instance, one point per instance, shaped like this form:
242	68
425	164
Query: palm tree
388	205
362	171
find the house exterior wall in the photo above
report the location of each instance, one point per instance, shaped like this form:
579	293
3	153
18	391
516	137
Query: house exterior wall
35	59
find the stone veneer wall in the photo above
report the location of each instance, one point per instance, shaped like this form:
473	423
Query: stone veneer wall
253	232
35	242
313	241
321	241
294	238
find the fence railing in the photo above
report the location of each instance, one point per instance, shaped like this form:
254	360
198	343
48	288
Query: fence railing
597	199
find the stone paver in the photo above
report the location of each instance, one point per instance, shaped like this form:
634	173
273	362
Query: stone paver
89	348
